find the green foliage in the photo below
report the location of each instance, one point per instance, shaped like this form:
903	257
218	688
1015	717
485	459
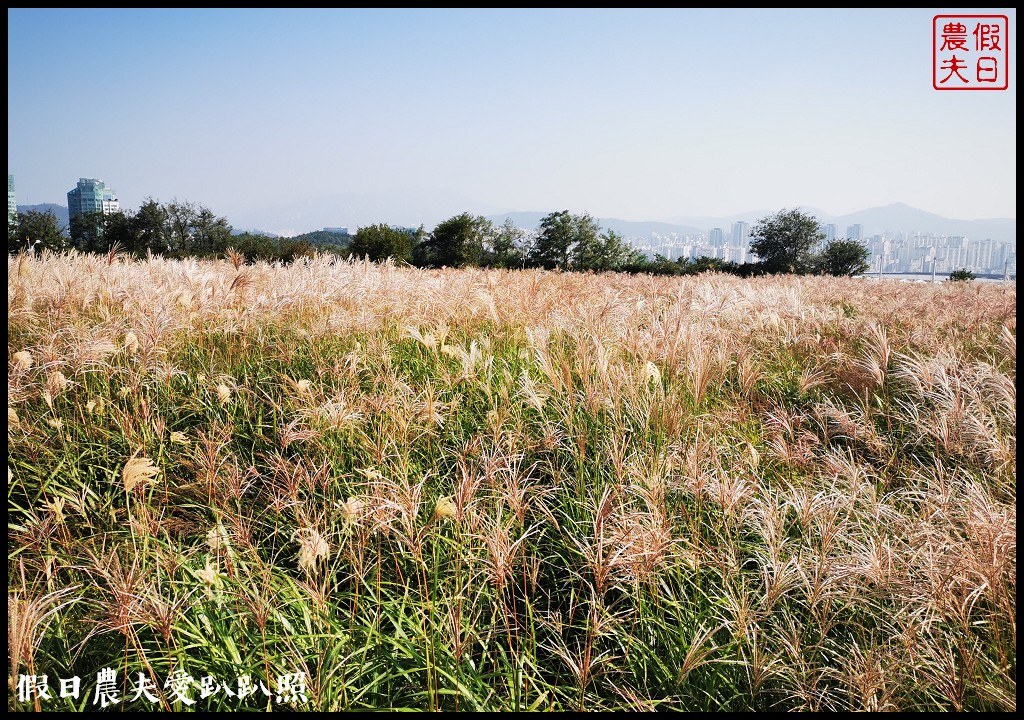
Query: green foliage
698	265
291	249
785	242
150	231
255	247
507	247
661	265
843	257
122	230
195	231
564	240
607	251
961	275
87	232
326	240
457	242
188	229
36	230
177	229
380	242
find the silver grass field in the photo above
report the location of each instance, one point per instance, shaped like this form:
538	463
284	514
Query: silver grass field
508	490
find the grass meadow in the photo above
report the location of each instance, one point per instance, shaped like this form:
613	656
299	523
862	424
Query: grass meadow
393	488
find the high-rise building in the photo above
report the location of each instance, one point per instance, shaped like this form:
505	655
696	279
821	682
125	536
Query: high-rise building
985	248
12	203
830	232
741	234
91	196
854	232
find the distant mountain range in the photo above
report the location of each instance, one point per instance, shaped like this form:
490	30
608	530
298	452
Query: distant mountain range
897	217
902	217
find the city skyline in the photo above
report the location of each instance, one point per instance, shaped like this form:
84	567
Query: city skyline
924	223
639	115
891	251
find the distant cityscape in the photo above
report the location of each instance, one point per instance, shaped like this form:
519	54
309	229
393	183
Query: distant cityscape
890	251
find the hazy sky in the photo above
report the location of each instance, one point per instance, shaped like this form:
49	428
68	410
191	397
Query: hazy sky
635	114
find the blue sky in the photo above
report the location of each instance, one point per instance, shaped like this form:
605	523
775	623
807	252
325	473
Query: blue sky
635	114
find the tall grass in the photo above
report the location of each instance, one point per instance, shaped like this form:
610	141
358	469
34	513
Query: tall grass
508	490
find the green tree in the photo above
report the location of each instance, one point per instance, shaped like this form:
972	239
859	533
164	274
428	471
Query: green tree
457	242
612	252
180	219
585	252
290	249
507	247
149	230
119	230
658	265
211	234
704	263
87	232
380	242
256	246
785	242
843	257
327	241
961	275
564	240
192	230
37	231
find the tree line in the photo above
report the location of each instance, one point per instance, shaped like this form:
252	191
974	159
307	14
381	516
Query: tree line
788	241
